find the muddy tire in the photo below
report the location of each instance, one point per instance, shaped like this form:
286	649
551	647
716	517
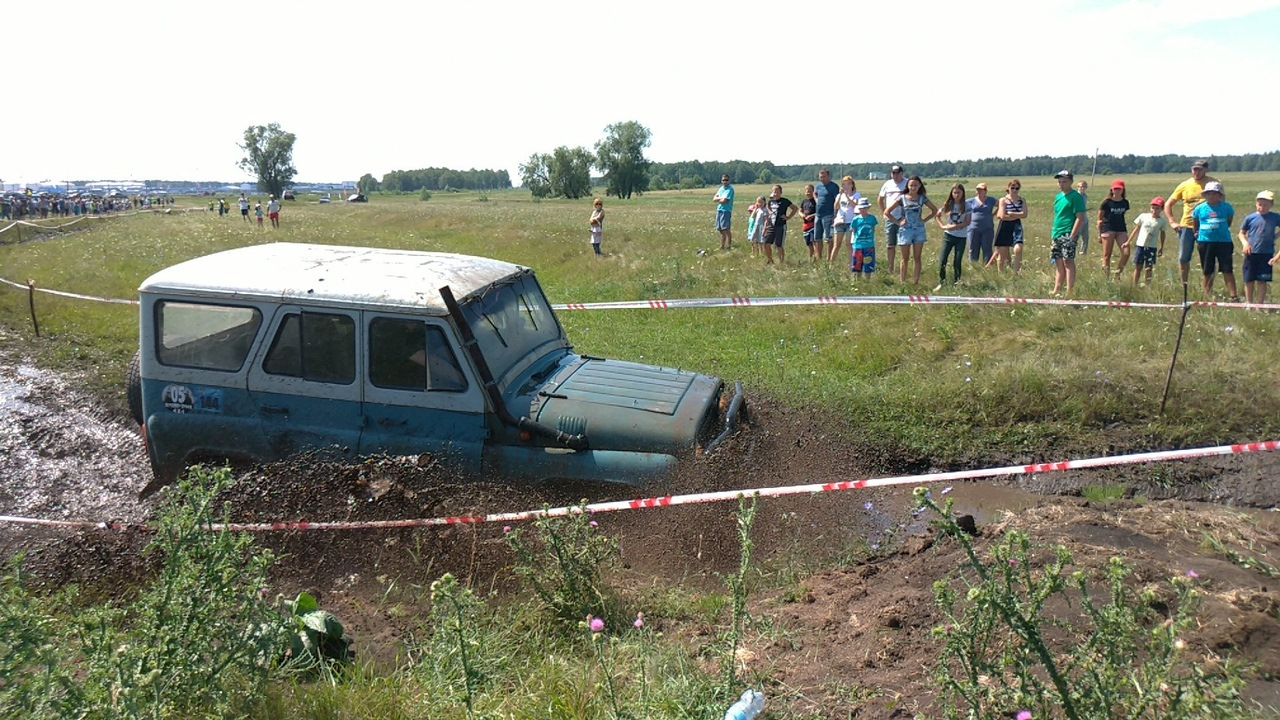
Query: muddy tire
133	388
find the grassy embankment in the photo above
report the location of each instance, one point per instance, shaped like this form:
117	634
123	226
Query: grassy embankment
949	383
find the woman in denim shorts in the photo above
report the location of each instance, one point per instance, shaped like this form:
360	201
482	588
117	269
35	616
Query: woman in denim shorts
912	233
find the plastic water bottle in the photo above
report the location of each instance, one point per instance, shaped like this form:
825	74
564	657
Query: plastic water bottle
747	707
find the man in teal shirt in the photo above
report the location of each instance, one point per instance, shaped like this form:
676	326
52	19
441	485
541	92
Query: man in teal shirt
1068	219
724	212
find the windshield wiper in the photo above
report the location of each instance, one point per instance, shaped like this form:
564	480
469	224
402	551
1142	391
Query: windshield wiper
529	311
495	329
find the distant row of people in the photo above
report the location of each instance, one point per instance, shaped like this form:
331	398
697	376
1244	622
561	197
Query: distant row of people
836	218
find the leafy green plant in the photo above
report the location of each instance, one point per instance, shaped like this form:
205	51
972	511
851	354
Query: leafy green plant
199	639
1004	651
1246	561
737	583
316	637
455	639
562	561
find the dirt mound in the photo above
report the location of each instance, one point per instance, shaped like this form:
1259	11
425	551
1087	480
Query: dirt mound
855	642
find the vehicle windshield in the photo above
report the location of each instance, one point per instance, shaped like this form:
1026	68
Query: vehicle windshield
512	322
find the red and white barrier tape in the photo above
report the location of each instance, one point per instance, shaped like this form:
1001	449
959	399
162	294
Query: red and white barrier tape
695	498
885	300
684	303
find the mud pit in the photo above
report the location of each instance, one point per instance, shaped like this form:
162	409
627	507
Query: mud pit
865	626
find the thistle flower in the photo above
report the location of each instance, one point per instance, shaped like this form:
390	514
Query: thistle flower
596	624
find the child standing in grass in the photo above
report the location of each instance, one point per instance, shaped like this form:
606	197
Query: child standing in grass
1258	236
846	210
257	210
1112	227
808	213
755	224
1146	227
596	225
780	210
1212	222
862	258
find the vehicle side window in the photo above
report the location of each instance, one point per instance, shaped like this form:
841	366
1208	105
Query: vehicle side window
206	336
412	355
319	347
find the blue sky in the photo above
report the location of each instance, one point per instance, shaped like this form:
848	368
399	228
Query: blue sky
165	90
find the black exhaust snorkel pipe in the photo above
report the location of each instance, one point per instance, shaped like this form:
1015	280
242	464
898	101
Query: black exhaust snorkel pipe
573	442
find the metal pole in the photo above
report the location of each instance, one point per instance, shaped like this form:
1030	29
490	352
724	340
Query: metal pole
1094	172
1186	308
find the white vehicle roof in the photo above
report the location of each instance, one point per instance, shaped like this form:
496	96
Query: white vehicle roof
332	275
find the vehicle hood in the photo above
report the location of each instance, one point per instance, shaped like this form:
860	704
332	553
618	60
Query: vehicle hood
627	406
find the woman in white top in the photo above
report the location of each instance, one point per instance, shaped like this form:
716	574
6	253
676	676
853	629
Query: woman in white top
846	209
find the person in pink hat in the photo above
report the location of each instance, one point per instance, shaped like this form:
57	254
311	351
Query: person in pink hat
1113	231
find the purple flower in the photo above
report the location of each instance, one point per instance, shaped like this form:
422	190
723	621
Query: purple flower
1013	562
506	528
595	623
1024	715
639	622
1193	574
593	523
867	505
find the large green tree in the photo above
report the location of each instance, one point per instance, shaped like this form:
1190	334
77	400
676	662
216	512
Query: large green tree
535	175
621	156
269	156
571	172
368	183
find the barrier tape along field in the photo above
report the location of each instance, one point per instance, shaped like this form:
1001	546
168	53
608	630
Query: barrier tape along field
75	296
887	300
684	303
696	498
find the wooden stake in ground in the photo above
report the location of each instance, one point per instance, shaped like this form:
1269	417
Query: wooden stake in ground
31	303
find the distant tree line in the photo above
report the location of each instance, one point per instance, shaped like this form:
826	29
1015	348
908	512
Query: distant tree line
441	179
696	174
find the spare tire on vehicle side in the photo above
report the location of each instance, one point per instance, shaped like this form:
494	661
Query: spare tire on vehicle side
133	387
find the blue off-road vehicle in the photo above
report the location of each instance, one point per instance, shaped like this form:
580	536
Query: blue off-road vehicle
262	352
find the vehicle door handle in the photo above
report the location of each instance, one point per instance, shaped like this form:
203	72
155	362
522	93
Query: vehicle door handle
273	410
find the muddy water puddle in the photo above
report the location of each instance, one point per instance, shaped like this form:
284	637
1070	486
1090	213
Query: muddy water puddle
61	456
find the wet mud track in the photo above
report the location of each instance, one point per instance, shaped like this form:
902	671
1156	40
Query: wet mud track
63	457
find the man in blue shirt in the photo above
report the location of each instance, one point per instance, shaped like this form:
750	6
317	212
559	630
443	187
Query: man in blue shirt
1211	220
825	194
724	212
982	229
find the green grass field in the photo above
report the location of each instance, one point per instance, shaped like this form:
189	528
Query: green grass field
952	383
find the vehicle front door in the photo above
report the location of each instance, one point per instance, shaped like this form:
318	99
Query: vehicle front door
306	385
419	396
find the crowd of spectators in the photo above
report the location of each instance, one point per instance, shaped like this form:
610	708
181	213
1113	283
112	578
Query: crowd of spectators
836	219
24	206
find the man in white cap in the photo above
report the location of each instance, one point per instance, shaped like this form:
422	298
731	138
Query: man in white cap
890	191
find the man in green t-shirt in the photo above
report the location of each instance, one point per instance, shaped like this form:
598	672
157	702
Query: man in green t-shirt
1068	219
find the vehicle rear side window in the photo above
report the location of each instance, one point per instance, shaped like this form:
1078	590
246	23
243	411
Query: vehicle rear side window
412	355
205	336
319	347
